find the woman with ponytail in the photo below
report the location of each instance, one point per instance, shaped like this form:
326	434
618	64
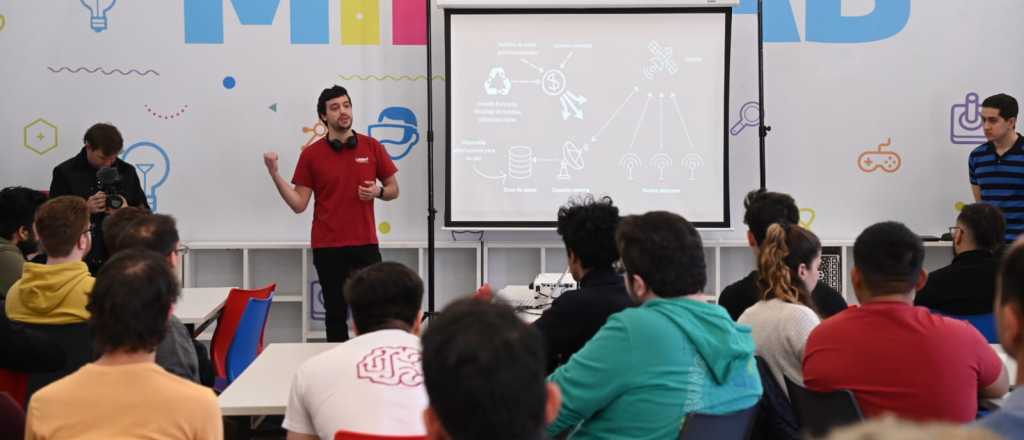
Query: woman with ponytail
784	317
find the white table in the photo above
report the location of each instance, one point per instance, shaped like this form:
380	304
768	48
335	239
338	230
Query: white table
263	388
521	297
1011	364
199	306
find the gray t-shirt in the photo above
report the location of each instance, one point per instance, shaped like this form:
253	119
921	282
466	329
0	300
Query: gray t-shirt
176	353
11	263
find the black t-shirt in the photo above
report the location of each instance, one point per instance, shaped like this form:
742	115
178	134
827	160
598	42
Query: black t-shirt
966	287
77	177
738	296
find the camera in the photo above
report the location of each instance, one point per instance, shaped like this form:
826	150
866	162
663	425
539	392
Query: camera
108	180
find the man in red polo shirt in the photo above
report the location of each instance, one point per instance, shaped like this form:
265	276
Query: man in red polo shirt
895	357
342	171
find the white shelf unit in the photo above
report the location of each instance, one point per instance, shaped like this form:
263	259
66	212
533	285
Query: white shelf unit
461	267
290	264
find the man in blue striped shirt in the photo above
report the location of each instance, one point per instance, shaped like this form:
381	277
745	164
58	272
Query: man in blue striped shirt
997	166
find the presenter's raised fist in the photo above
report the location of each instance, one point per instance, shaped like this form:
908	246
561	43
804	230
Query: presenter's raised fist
270	160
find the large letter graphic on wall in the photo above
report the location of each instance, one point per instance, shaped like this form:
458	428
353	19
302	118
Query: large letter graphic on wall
779	23
204	19
826	22
360	22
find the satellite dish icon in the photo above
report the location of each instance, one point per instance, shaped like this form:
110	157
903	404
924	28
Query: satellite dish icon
661	161
691	162
572	157
630	162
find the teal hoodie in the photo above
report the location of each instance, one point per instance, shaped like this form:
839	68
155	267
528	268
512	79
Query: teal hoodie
650	366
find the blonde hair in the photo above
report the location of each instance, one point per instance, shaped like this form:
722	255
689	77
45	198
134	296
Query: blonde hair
891	428
784	249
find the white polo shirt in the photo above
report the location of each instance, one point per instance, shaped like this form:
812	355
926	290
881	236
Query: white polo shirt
371	384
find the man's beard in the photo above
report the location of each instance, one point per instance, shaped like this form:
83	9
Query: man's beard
336	126
28	247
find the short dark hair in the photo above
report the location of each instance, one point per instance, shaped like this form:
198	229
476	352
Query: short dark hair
328	94
155	232
889	256
665	250
1006	104
131	301
18	207
105	137
484	370
60	222
1010	277
383	294
765	208
587	227
986	223
115	224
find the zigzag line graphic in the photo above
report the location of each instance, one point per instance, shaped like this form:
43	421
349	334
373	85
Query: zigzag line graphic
103	71
390	77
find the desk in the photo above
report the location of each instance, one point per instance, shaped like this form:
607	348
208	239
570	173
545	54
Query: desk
264	387
199	306
528	304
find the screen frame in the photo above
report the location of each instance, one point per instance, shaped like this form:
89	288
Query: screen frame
450	224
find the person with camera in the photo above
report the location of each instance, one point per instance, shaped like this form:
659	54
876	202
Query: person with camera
105	181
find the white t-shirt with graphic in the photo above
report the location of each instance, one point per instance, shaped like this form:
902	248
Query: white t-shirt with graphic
371	384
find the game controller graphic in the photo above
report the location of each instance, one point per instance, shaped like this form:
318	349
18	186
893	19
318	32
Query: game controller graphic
872	160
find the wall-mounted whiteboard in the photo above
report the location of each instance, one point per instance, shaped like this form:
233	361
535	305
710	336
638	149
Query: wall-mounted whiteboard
547	104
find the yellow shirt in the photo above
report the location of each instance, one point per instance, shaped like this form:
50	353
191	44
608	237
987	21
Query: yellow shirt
126	401
51	294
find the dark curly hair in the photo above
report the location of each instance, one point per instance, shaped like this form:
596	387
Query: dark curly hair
131	301
765	208
665	250
328	94
587	227
18	207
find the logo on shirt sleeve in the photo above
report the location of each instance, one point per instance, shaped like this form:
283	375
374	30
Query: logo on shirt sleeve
392	366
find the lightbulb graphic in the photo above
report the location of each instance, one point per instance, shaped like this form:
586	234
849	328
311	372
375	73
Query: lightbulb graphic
98	13
153	165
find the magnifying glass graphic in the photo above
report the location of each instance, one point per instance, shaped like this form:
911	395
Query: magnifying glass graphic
750	115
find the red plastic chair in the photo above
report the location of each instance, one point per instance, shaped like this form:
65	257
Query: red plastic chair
346	435
12	418
14	383
227	325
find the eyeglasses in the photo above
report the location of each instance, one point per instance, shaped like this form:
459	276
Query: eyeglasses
952	231
182	250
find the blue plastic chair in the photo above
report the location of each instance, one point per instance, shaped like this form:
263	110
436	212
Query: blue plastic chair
986	324
732	426
246	344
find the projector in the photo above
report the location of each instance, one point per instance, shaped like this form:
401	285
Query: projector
553	283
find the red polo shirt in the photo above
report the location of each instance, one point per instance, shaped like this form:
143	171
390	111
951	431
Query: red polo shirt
339	217
901	359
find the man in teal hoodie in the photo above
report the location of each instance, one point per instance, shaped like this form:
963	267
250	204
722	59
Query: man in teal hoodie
675	354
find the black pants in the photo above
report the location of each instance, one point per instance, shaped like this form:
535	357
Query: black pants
334	266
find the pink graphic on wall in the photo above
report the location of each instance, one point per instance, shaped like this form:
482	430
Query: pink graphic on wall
392	366
409	22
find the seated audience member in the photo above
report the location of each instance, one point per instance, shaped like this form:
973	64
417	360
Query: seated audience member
484	372
159	233
895	357
116	223
371	384
764	209
587	227
783	318
124	394
17	209
58	291
673	355
1008	421
967	285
